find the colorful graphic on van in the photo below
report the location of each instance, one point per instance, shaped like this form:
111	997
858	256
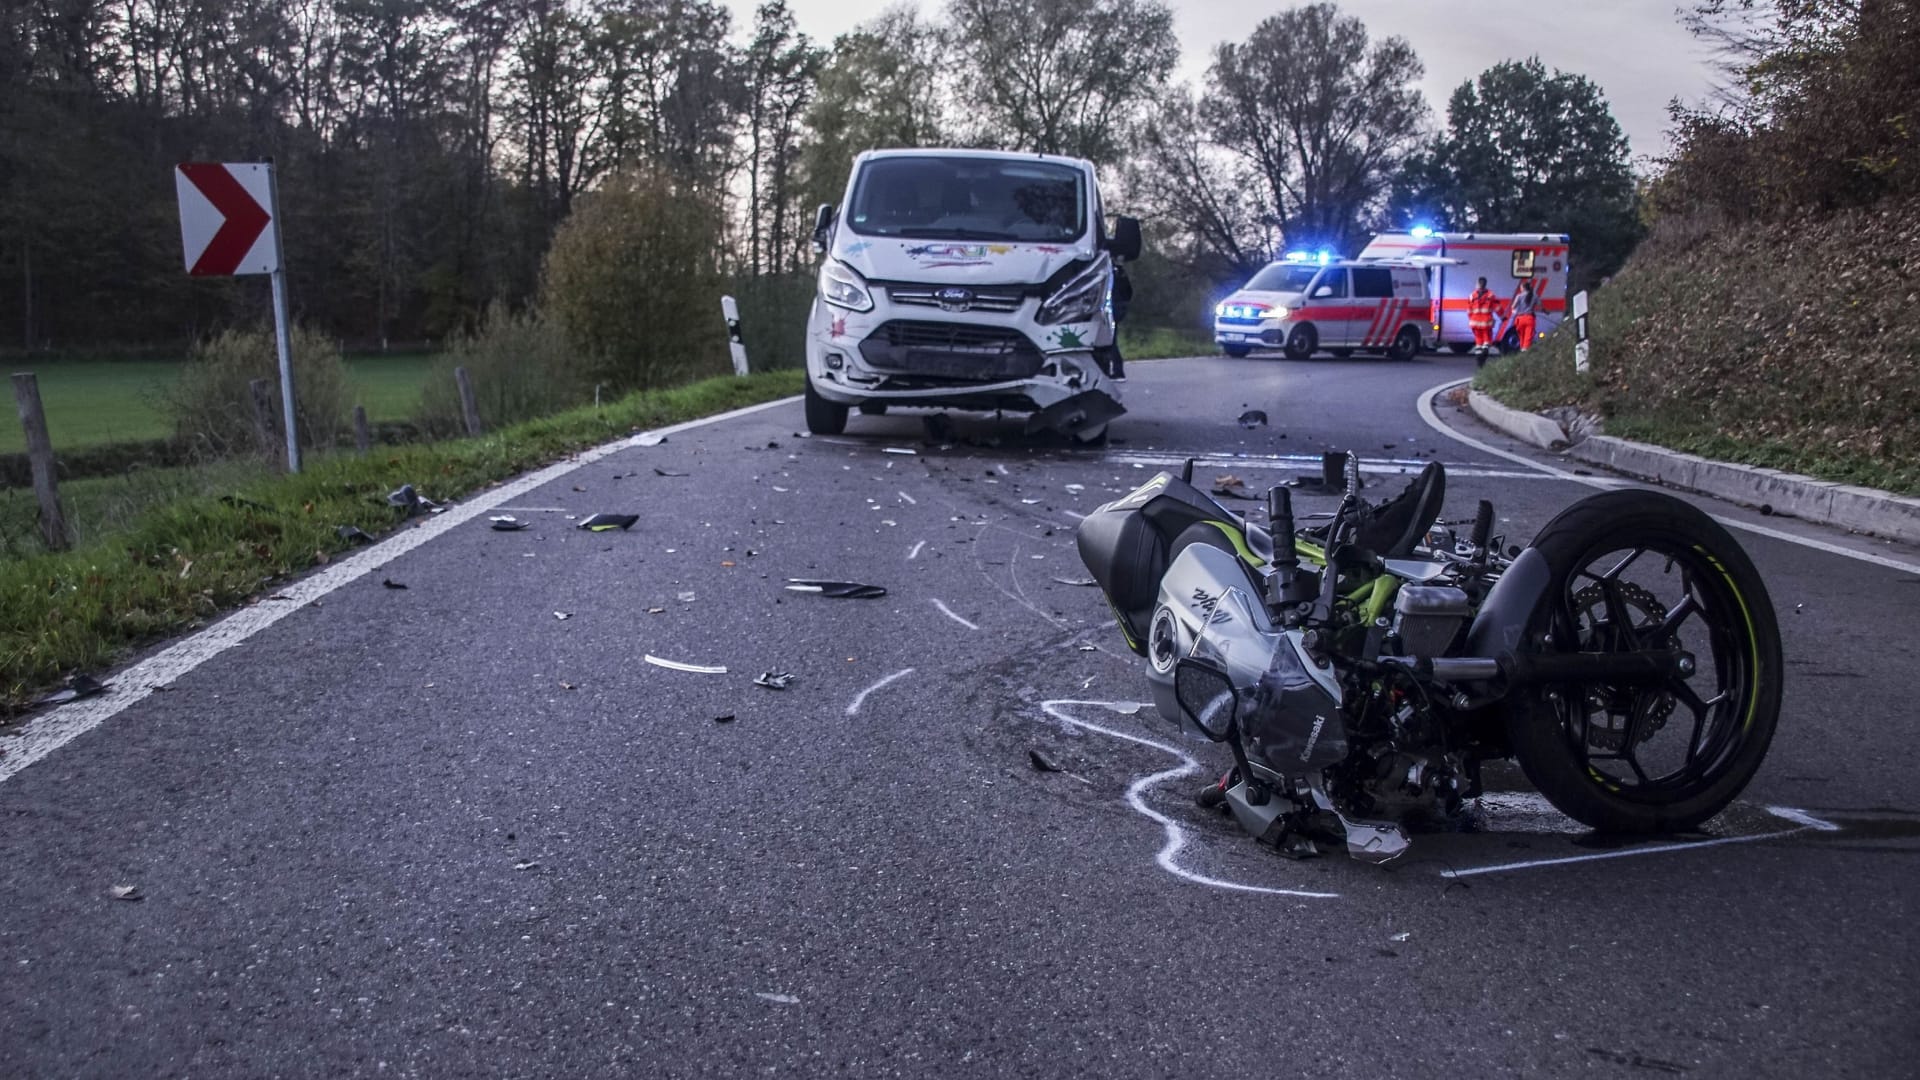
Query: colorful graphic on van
857	248
1068	338
936	256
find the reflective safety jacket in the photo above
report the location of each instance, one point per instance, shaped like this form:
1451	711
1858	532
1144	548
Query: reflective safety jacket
1480	308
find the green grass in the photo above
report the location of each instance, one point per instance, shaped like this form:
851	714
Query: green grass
169	554
1159	343
91	402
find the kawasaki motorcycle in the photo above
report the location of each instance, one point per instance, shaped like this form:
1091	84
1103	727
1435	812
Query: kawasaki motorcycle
1362	668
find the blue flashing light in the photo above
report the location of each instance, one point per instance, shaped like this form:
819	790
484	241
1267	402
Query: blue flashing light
1421	232
1325	257
1299	256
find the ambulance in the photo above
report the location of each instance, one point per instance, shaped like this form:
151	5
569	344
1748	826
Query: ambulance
1454	263
1306	303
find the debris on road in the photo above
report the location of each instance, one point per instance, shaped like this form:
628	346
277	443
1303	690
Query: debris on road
1041	762
1253	418
658	471
774	680
526	866
697	669
406	498
1083	412
352	534
838	590
648	438
1075	581
1402	936
80	686
686	597
779	999
1075	489
127	892
901	450
1232	487
391	584
1089	647
608	522
563	616
508	523
727	719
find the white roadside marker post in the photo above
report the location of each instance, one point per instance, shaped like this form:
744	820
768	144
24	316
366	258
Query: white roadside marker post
1580	345
731	311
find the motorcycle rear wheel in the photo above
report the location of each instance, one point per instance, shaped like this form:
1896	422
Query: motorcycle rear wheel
1634	570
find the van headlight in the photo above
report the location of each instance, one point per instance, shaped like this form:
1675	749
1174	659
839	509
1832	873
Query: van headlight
841	287
1081	298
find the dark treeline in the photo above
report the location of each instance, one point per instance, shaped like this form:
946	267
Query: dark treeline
429	149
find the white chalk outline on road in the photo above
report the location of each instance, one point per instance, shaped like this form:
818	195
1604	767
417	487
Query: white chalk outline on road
47	733
1806	823
949	613
859	699
1424	403
1176	836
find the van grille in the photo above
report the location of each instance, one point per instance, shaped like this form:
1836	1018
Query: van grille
951	350
983	299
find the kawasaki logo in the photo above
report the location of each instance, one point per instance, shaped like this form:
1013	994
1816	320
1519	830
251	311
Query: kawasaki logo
1313	737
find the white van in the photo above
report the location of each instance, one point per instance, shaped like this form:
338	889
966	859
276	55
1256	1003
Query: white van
1304	304
966	279
1456	262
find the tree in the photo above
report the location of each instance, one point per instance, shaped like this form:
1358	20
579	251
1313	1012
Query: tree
880	86
1526	150
1063	76
1198	196
781	67
1323	115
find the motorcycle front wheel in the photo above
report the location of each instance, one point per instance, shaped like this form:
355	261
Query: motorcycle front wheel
1638	570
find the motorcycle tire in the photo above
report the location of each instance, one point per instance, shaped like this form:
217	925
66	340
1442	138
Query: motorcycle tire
1589	548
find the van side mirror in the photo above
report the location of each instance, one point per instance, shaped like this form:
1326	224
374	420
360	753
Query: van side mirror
1323	292
822	228
1126	242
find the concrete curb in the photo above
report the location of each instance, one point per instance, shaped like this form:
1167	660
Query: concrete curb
1525	426
1826	502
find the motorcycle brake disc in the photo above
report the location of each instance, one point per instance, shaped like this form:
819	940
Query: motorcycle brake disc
1608	712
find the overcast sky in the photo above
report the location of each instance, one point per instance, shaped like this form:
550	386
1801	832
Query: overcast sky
1637	50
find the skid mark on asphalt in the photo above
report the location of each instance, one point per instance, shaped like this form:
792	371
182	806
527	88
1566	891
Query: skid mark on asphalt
1168	857
859	699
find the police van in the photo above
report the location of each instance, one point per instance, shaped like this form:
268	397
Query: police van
1454	263
1304	304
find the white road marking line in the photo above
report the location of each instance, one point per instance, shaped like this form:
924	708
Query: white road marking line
915	553
1814	825
948	612
911	501
536	509
1289	464
1176	836
49	732
1425	404
1801	817
861	697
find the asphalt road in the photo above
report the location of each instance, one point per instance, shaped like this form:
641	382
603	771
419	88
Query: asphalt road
443	832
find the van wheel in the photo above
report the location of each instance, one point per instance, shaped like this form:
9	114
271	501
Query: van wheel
1510	342
1303	342
824	417
1406	344
1237	351
873	408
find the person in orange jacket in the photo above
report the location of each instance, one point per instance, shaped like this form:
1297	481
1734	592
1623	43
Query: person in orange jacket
1526	305
1480	310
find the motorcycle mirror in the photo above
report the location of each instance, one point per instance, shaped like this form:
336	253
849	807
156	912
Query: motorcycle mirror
1206	696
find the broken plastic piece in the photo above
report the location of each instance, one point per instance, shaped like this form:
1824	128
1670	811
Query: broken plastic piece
410	500
727	719
839	590
391	584
353	535
899	450
648	438
510	525
675	665
1232	487
1041	762
658	471
80	686
1253	418
563	616
1080	413
774	680
1075	581
608	522
126	892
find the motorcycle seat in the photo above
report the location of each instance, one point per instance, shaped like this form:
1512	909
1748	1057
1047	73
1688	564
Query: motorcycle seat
1396	526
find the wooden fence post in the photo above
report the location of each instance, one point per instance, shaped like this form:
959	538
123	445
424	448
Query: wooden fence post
53	523
362	437
264	429
467	406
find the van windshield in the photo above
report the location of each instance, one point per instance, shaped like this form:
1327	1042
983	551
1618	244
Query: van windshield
1283	277
967	198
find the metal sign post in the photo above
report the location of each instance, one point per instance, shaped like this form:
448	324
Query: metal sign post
230	224
731	311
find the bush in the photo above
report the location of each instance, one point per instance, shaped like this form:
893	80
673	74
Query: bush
521	368
632	282
773	318
212	406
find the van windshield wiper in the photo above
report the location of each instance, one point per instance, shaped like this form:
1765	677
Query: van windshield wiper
919	232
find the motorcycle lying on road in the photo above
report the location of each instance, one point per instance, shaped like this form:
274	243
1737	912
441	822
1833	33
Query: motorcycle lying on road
1361	671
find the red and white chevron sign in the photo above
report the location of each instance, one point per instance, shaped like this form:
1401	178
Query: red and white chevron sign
225	218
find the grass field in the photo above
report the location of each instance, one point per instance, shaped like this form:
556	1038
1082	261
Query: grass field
90	402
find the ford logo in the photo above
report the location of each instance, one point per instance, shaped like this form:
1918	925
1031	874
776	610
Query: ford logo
954	299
